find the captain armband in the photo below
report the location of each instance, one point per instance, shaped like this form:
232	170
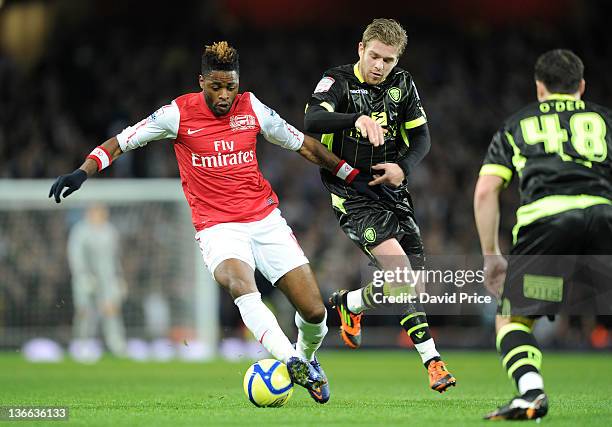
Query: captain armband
345	171
101	156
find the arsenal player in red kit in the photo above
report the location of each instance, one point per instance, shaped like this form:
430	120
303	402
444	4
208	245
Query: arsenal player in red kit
234	210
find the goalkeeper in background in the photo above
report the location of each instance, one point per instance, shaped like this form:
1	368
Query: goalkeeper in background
98	289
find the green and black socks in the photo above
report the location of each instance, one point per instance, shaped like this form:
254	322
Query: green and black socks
521	356
414	322
413	319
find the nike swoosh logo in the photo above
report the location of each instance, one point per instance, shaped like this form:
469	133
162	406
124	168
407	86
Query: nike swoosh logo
191	132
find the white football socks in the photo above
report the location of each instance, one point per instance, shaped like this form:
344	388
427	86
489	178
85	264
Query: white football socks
85	323
354	301
310	336
262	323
114	334
530	381
427	350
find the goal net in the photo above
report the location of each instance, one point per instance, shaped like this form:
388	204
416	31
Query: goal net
168	299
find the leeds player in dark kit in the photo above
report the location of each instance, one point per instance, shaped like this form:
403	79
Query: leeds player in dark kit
560	147
371	116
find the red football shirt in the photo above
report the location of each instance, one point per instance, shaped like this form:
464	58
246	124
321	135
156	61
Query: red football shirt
216	155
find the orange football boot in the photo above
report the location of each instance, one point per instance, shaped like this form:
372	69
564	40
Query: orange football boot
439	377
350	328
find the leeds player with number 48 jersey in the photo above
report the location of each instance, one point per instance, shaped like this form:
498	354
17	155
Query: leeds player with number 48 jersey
561	150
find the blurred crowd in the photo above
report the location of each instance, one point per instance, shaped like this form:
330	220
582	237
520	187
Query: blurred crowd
87	88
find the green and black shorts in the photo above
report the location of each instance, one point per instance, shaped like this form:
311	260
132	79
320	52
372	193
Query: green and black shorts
561	264
369	222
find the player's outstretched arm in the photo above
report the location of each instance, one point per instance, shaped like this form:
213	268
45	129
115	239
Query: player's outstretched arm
162	124
277	131
102	156
486	212
318	119
314	151
111	147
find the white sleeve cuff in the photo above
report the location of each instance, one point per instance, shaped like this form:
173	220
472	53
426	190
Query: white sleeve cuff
162	124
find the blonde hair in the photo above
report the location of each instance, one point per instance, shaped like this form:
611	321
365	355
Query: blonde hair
387	31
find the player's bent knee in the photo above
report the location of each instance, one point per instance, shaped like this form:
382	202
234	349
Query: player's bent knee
314	314
238	286
390	247
503	320
109	310
523	320
236	277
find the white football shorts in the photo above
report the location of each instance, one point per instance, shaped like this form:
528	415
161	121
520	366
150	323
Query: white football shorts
268	245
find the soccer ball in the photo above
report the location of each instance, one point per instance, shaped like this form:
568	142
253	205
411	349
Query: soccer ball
267	383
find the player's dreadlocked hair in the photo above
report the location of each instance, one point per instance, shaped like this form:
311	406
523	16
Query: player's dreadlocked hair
388	31
560	70
220	56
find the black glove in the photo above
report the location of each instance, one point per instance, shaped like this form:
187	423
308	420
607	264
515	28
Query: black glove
72	180
360	183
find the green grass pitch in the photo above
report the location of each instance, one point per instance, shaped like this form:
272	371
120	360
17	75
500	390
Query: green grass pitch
369	388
